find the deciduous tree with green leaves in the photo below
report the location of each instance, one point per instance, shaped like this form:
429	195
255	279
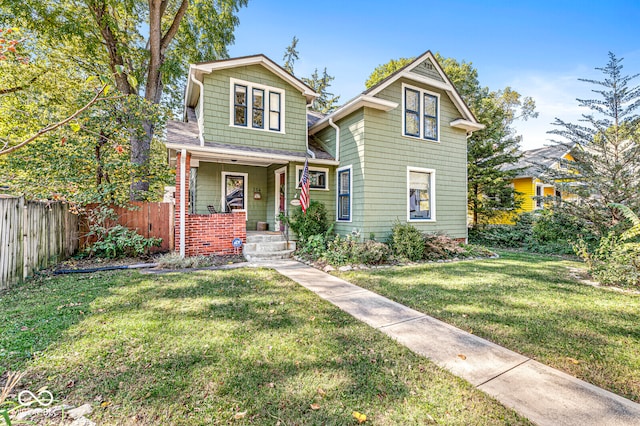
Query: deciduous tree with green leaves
66	136
490	192
605	146
145	46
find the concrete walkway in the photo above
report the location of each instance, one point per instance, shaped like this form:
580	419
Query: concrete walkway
542	394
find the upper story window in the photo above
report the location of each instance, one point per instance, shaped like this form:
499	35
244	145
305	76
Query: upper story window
256	106
421	113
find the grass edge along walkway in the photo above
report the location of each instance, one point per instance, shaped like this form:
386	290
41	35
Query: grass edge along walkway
246	346
542	394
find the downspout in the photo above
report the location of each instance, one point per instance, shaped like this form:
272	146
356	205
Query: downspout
337	129
201	86
311	153
183	176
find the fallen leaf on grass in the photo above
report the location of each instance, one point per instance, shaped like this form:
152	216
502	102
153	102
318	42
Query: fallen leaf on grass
105	404
240	415
315	406
462	356
271	385
361	418
321	392
573	360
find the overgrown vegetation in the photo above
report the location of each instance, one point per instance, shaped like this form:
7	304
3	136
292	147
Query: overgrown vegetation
544	231
616	258
406	243
111	240
246	346
313	222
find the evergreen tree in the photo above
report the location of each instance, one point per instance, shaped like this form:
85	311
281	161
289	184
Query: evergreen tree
327	101
291	55
605	149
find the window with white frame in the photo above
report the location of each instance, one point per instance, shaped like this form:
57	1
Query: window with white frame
318	177
539	196
421	204
421	113
256	106
344	183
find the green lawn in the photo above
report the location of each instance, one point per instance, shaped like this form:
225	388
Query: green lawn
532	305
207	347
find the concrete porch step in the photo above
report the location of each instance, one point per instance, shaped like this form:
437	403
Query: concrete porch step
267	246
261	237
274	255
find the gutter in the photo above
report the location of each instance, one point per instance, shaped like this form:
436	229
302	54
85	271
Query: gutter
183	174
311	153
337	129
201	86
232	153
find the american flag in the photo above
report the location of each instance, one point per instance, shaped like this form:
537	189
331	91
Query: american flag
304	187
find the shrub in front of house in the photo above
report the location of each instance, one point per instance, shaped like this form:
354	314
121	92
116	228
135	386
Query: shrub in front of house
407	242
313	222
347	250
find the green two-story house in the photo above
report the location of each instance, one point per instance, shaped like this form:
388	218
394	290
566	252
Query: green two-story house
397	152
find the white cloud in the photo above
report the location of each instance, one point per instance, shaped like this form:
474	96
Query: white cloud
556	96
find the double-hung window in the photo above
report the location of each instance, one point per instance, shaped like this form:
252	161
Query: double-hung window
240	105
421	113
256	106
258	109
421	203
344	194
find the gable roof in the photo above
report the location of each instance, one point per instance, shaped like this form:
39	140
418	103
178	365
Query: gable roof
199	69
368	97
535	162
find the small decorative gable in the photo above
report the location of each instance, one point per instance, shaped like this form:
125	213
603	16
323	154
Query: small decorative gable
427	69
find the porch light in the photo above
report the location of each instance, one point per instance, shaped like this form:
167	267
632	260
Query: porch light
257	195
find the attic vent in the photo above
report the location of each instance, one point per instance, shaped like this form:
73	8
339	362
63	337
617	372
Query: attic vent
428	65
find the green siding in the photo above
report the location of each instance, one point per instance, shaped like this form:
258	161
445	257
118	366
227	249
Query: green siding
209	189
388	154
427	69
217	111
372	142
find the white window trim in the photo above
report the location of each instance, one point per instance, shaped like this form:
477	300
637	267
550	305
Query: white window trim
421	115
267	110
315	169
223	201
341	169
432	195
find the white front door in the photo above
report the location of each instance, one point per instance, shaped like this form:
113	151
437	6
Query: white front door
280	195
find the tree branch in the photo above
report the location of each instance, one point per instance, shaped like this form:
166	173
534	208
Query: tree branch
52	127
173	29
21	87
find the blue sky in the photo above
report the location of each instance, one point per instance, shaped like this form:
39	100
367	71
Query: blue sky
540	48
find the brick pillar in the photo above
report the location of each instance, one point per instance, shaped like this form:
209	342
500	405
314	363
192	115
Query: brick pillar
179	197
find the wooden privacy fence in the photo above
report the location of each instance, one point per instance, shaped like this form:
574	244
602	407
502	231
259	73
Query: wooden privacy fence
151	220
33	235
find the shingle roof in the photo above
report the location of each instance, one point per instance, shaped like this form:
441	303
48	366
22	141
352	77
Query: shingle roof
182	133
313	117
535	162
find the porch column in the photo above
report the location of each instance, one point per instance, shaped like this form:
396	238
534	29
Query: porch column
179	197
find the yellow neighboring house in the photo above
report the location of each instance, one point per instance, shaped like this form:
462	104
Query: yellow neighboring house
534	164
